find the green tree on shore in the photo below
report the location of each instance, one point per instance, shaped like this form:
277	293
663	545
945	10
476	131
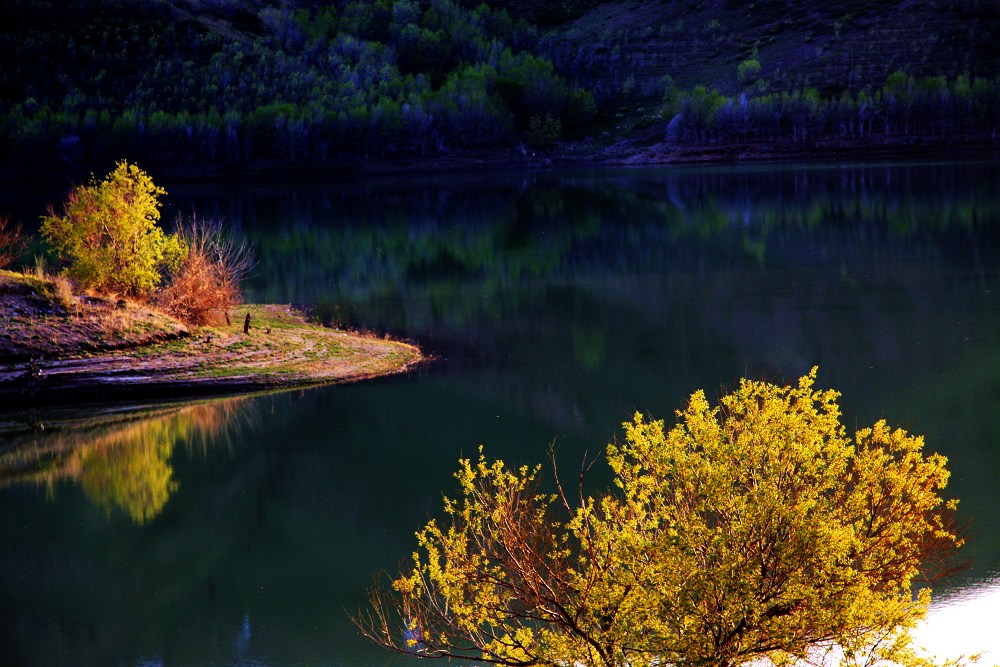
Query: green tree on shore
108	234
754	531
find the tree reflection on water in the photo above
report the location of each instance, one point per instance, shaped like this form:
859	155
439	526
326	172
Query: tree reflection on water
121	461
133	471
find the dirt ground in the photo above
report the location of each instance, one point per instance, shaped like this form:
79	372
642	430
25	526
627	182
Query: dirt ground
55	349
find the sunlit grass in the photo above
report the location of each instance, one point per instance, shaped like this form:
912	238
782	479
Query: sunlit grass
278	348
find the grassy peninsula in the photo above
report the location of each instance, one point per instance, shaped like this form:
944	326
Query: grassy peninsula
60	346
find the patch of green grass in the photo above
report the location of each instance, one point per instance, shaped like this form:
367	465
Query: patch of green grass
334	347
266	318
176	346
240	344
240	371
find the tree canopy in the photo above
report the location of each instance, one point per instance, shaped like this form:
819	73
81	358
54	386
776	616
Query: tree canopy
257	83
108	233
752	530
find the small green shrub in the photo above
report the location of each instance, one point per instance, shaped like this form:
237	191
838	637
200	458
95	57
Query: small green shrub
748	70
543	130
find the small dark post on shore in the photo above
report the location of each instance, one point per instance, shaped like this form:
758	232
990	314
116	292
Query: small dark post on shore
246	324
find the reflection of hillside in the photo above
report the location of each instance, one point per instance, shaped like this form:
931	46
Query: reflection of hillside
579	291
416	241
120	461
554	261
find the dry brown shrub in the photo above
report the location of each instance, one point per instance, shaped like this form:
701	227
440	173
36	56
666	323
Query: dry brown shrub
63	292
12	242
207	282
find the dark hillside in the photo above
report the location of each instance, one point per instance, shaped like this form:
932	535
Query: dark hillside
100	50
205	87
235	85
831	46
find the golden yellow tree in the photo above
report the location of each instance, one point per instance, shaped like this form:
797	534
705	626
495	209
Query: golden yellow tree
754	530
109	236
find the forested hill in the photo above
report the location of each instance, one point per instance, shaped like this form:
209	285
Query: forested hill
244	84
229	83
832	46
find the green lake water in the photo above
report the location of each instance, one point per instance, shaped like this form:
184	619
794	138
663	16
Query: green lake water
244	531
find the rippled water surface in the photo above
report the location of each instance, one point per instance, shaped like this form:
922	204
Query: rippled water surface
243	531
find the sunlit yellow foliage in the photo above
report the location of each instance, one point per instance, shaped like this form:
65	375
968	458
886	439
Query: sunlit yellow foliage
108	233
754	530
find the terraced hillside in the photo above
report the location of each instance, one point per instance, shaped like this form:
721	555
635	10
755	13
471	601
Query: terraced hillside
831	46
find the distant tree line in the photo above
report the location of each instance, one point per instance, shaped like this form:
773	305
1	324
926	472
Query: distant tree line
235	83
355	79
904	107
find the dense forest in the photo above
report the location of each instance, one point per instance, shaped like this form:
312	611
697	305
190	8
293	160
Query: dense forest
222	84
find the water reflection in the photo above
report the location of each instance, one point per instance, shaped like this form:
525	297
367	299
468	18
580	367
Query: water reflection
966	619
559	303
345	244
121	460
383	240
132	474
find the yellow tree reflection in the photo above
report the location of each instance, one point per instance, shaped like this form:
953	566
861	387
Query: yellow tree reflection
133	472
121	462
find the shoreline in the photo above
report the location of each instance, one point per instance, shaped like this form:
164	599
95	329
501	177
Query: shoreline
281	351
639	149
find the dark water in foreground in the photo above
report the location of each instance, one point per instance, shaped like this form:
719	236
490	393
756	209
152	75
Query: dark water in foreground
241	532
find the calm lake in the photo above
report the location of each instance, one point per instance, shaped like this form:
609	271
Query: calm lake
243	531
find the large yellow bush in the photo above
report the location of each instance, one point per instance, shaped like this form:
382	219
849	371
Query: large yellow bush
108	234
